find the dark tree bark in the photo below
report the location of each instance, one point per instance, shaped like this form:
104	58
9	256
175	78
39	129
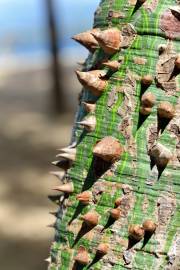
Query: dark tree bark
57	89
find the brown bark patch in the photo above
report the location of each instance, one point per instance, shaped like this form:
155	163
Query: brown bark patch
123	242
153	176
174	129
128	35
128	256
145	204
112	97
139	60
173	255
116	15
75	226
92	233
152	135
126	109
128	88
164	70
127	189
178	151
125	128
110	260
104	186
126	204
166	208
150	6
170	24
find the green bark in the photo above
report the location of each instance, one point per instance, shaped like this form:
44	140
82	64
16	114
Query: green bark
147	190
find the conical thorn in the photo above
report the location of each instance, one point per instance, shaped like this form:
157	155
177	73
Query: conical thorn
68	156
66	188
89	123
92	81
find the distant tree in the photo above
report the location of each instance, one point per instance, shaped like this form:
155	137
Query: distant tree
119	180
58	98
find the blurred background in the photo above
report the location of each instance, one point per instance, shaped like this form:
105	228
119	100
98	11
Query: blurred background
38	99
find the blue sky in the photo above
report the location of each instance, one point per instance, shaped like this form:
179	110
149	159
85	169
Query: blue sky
15	13
23	23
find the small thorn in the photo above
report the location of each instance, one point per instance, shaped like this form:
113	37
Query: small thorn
89	123
85	197
100	73
48	260
109	40
148	100
87	40
161	154
136	232
118	202
109	149
91	218
64	164
145	110
102	249
149	226
166	110
68	156
147	80
66	188
113	65
52	225
115	213
55	162
82	256
68	150
54	214
92	81
89	107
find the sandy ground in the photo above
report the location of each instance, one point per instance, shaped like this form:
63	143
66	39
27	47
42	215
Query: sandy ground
29	136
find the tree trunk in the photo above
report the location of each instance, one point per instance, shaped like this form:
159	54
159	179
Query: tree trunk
119	187
58	102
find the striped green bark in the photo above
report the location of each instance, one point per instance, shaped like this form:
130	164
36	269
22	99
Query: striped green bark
147	192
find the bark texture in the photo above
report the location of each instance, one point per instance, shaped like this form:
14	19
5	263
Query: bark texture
125	151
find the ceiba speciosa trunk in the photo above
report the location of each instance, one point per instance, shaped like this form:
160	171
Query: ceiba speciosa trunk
118	199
